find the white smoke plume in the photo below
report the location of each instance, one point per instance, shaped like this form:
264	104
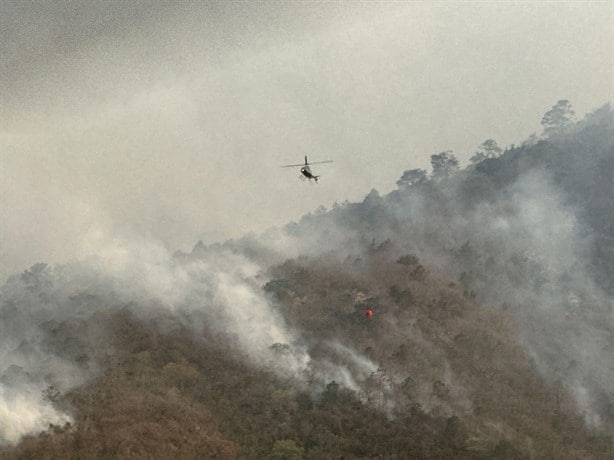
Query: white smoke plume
218	290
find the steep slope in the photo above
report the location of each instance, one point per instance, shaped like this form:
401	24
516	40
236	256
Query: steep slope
431	374
530	230
491	332
437	350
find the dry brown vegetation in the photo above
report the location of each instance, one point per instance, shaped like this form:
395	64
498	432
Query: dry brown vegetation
433	334
452	381
446	376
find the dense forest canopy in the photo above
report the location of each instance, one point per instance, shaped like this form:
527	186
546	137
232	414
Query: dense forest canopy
492	297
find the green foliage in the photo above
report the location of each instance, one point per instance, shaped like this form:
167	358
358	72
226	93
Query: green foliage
286	449
280	348
280	288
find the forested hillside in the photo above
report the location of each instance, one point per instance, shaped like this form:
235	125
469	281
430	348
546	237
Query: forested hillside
490	333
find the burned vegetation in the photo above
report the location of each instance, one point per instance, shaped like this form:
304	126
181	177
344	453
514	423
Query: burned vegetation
447	319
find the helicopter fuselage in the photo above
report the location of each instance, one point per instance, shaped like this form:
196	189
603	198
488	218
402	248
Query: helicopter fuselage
305	171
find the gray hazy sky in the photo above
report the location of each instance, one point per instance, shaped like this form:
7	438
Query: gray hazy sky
169	120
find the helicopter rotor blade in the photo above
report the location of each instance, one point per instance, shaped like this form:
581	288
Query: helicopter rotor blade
307	164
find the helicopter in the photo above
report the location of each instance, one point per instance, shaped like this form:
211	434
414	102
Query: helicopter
306	170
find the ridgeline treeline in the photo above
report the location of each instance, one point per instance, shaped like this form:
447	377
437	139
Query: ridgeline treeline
491	335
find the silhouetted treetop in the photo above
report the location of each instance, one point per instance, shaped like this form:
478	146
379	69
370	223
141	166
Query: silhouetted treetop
560	117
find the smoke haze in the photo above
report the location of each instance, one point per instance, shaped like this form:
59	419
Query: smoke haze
521	243
172	120
129	132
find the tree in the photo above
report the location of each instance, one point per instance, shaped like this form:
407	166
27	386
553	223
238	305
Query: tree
286	449
558	118
412	178
487	149
321	210
373	198
331	394
280	348
444	164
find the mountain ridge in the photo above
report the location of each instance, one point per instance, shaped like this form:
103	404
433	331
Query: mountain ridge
490	289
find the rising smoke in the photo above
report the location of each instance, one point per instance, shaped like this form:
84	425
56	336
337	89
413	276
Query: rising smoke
534	238
219	293
523	244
